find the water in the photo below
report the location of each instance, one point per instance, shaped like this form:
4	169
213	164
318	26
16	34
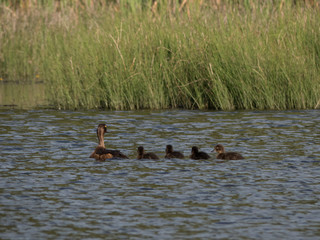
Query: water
22	95
50	189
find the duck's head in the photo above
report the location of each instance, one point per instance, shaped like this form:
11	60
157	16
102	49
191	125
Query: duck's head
102	128
169	149
194	150
140	150
219	148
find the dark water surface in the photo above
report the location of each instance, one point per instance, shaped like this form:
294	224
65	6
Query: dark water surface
50	189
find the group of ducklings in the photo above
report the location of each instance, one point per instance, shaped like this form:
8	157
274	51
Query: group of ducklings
101	153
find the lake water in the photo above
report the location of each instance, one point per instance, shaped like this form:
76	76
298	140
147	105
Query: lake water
22	95
50	189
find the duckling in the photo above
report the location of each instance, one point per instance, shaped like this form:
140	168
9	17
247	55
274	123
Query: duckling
143	155
226	155
101	153
195	154
172	154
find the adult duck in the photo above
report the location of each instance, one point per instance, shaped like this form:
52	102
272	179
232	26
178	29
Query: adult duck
101	153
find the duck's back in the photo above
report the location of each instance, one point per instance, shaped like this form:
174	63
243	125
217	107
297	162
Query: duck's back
230	156
199	155
174	155
115	153
100	153
148	156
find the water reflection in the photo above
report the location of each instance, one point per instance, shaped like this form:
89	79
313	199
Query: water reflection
51	189
22	95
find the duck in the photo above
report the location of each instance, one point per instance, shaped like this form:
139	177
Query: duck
101	153
172	154
143	155
195	154
226	155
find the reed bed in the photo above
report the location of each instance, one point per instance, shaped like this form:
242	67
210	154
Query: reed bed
137	55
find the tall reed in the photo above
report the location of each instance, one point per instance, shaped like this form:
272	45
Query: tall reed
208	56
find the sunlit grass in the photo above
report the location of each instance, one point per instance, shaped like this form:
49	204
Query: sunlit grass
129	57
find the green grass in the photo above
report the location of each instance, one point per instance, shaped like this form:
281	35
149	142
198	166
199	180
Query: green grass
255	56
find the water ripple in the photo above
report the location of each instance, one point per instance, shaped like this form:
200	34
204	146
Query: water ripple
51	189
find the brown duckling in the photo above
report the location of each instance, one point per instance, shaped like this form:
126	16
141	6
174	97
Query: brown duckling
143	155
226	155
101	153
172	154
195	154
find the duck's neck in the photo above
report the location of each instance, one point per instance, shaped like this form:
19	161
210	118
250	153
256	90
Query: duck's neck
100	138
